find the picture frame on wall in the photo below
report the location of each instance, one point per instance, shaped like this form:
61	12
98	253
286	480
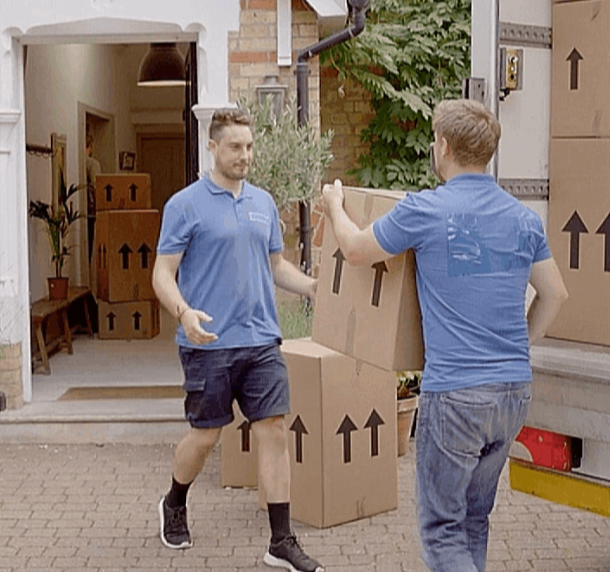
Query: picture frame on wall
127	161
59	147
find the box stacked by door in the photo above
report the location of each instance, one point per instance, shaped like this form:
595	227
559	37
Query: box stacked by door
127	229
342	425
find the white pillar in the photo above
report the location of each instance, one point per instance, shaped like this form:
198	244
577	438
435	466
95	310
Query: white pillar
14	268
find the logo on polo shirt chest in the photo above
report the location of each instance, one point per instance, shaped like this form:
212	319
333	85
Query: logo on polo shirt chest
259	217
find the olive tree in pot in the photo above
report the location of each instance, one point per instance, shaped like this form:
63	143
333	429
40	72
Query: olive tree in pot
290	161
57	223
407	391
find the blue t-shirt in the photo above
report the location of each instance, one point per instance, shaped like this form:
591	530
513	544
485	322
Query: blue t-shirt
225	269
474	246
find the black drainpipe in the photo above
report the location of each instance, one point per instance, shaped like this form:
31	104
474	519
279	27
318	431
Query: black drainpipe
359	18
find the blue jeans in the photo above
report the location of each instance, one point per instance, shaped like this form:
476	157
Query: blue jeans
462	442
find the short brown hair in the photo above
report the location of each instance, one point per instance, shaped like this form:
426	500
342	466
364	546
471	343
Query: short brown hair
470	129
228	116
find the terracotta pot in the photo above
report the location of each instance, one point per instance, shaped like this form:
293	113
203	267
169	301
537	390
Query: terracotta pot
58	288
405	412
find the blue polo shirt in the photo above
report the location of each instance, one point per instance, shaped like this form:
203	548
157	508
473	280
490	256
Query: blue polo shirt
225	269
474	247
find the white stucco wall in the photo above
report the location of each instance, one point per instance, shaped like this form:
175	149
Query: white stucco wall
44	22
57	78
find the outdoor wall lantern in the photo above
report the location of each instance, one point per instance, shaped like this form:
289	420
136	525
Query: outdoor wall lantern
162	66
273	92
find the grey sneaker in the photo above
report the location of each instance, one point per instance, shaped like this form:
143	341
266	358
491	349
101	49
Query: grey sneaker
288	554
174	529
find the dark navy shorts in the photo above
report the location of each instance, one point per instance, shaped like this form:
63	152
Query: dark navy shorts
255	376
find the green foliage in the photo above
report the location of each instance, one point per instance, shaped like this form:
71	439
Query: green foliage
289	160
407	383
296	318
411	55
57	222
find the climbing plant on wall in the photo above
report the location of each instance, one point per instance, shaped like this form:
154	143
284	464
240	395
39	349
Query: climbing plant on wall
411	55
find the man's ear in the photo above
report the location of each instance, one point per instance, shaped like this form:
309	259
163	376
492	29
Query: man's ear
211	145
445	150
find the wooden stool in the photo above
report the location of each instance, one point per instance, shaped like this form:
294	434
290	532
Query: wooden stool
43	309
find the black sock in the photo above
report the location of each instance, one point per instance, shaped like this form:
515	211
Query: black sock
279	519
177	494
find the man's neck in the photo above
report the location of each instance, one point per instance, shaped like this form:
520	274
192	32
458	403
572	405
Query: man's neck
233	186
455	170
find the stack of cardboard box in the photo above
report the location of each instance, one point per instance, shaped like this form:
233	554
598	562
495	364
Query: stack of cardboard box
126	235
579	201
342	425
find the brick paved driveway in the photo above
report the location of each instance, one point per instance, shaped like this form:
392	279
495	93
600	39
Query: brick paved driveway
91	508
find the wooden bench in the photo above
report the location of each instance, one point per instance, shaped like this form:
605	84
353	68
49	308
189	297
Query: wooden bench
43	309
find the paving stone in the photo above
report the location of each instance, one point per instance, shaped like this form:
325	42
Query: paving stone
94	509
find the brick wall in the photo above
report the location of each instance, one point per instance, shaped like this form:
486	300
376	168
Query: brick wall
345	108
253	55
11	375
253	50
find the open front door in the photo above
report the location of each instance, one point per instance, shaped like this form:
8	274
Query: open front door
192	125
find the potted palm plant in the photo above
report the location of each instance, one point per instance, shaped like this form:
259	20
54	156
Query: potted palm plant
407	391
58	220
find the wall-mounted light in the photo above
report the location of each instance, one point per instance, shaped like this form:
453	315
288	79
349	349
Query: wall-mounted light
162	66
274	93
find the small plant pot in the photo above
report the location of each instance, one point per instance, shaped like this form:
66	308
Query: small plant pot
405	412
58	288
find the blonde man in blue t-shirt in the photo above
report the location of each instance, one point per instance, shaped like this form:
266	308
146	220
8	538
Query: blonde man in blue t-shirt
476	249
221	236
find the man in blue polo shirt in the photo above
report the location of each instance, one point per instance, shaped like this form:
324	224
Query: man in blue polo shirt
221	237
476	248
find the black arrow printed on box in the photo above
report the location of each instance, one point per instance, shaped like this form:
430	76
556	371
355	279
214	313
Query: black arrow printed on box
339	260
574	58
380	268
144	251
299	430
245	436
111	316
346	428
605	230
133	190
108	189
373	422
125	251
575	226
136	320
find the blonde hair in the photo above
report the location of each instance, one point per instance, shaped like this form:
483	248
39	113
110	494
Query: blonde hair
470	129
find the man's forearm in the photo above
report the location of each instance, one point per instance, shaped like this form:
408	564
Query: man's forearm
290	278
344	228
169	295
541	314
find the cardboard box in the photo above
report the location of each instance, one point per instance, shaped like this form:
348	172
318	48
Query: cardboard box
579	237
369	313
125	253
114	191
580	83
342	436
238	460
128	320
